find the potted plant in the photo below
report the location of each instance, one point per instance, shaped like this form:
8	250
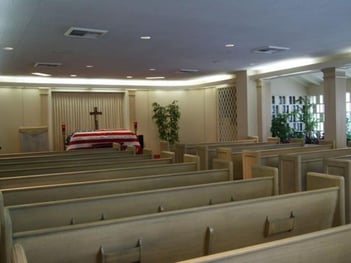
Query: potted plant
305	114
166	119
280	127
348	131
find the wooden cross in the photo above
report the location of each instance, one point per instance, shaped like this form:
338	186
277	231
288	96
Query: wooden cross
95	113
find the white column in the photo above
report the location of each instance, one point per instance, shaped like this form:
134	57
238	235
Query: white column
335	106
242	104
264	116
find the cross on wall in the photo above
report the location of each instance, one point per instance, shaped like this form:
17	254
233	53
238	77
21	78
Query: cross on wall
95	113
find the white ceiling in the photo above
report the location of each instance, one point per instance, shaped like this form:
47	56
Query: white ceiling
188	34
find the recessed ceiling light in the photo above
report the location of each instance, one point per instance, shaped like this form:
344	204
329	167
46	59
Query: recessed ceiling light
129	77
41	74
145	37
8	48
152	69
73	75
229	45
89	66
158	77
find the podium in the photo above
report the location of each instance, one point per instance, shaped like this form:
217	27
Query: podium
34	139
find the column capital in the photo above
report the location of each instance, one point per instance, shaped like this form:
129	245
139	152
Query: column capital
131	92
259	83
333	73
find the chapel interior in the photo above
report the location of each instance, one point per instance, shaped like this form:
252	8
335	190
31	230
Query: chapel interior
74	69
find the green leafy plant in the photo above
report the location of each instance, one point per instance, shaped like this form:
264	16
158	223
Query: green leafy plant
348	128
304	113
166	118
280	127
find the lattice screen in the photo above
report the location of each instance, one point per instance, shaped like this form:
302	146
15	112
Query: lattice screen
227	114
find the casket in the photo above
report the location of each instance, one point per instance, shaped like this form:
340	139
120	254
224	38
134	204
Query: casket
101	139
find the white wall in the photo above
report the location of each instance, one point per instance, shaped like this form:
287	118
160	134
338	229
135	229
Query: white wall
18	107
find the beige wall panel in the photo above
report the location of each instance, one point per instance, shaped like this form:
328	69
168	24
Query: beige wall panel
18	107
198	115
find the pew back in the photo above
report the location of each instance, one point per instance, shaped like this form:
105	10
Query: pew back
80	167
294	167
76	211
43	193
190	148
324	246
100	174
208	153
235	154
188	233
270	157
68	156
78	160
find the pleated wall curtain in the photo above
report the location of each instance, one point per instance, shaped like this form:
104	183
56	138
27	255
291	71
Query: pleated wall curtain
73	110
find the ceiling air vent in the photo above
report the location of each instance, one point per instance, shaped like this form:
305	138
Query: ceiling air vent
80	32
47	65
188	70
269	49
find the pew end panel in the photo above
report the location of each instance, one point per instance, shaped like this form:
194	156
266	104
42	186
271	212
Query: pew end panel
341	167
164	146
289	174
168	154
179	152
18	254
191	158
223	164
202	152
322	180
259	171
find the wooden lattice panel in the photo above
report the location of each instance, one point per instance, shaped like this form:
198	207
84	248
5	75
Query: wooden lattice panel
227	114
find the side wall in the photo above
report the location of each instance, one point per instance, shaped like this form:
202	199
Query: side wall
19	107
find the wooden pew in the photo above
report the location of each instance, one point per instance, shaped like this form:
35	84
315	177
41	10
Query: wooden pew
294	167
188	233
76	211
270	157
342	166
207	153
330	245
18	255
81	167
56	153
324	246
24	163
68	158
190	148
60	213
100	174
235	154
43	193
